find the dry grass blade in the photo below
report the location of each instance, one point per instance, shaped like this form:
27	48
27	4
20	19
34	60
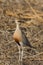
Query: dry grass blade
39	18
37	33
36	55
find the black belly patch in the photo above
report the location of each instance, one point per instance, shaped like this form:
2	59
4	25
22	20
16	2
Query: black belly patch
18	43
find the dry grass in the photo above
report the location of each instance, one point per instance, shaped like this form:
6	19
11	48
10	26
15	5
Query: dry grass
30	16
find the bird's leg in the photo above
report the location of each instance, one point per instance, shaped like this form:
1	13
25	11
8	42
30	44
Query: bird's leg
22	52
19	53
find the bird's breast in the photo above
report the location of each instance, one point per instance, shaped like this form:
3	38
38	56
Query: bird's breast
17	36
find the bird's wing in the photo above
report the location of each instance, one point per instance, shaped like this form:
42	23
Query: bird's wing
25	40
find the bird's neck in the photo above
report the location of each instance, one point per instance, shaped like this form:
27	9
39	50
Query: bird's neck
17	26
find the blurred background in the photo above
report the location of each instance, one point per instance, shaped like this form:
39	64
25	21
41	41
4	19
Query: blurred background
29	13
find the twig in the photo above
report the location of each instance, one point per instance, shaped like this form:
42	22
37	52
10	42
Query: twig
33	56
36	55
38	33
34	11
3	31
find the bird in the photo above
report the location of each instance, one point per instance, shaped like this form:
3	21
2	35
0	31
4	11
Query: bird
21	39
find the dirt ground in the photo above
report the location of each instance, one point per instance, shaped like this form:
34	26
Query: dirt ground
29	13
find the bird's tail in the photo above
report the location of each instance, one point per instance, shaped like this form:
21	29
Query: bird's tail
31	45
